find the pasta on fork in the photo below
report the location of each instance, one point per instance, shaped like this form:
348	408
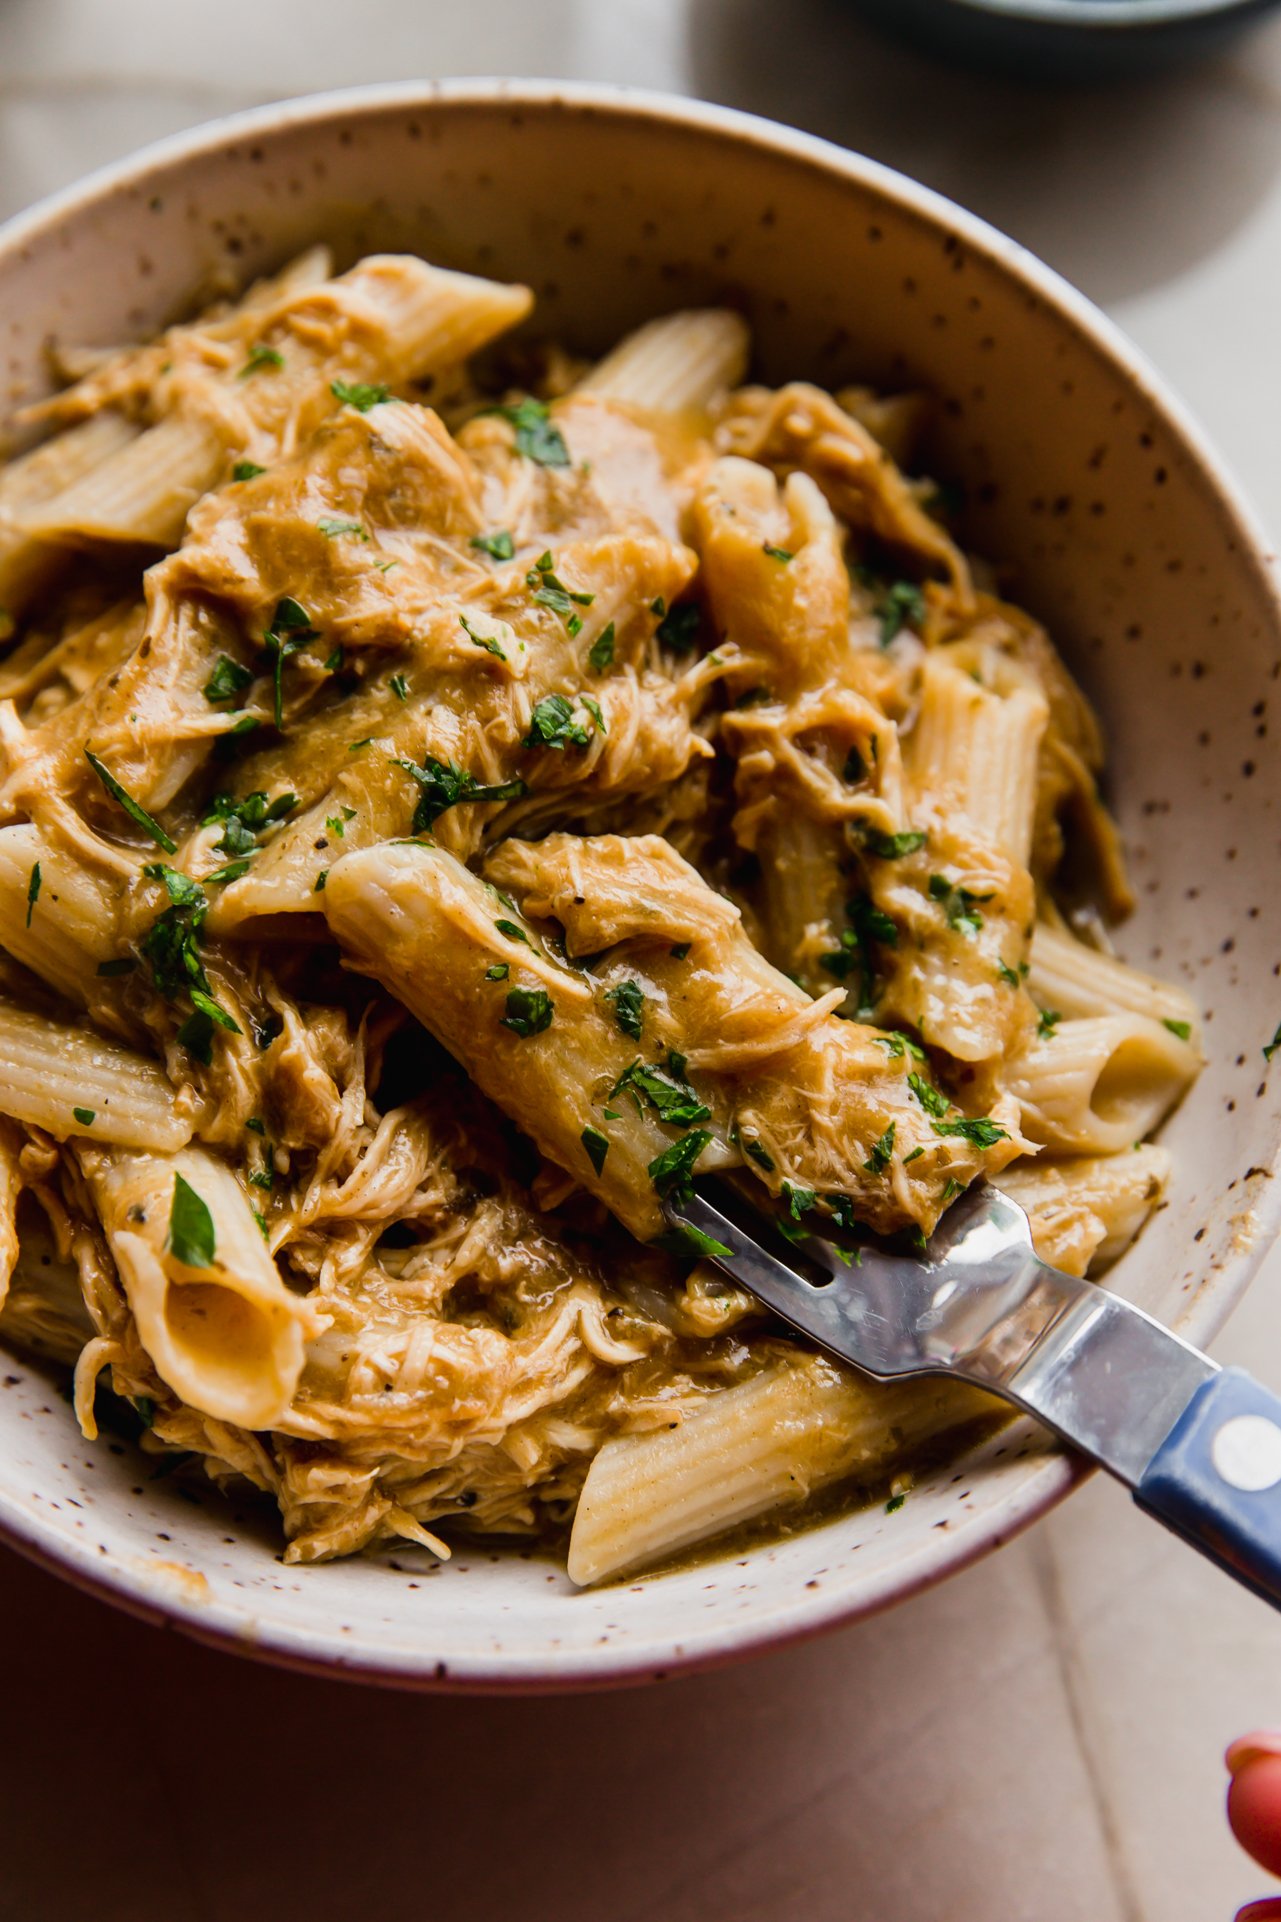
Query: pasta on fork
449	802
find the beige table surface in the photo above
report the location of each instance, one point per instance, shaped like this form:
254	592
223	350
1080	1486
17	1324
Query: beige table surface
1038	1741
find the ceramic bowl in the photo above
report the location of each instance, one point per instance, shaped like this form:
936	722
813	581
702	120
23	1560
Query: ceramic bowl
1079	468
1068	40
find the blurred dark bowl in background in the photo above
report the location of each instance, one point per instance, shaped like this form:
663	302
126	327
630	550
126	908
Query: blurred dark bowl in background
1065	39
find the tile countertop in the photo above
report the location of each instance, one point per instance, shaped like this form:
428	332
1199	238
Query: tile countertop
1039	1740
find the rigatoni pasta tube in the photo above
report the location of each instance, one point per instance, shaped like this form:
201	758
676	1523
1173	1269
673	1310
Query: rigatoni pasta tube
765	1444
56	916
1096	1086
1066	975
1086	1211
678	361
978	751
70	1081
223	1330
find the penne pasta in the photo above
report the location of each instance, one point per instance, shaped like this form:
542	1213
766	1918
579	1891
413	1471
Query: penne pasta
766	1444
1099	1084
213	1314
681	361
71	1082
1073	979
1085	1212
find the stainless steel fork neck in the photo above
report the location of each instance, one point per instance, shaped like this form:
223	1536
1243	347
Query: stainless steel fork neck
1101	1373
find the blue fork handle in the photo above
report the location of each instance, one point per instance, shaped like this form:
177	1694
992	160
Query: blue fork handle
1216	1479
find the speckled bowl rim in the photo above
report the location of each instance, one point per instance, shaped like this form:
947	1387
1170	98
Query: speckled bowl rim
1041	1487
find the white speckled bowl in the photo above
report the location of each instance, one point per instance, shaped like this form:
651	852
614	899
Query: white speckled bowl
1129	540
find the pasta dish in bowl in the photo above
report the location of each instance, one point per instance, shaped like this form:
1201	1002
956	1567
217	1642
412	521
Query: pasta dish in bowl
647	739
456	789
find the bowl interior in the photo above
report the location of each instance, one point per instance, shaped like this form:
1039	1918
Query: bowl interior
1077	472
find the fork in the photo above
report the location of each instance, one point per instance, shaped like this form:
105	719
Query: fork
1199	1445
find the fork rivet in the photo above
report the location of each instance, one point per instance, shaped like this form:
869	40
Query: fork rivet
1247	1453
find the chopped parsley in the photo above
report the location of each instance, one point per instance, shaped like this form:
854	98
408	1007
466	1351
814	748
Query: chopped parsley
537	436
902	605
85	1116
334	660
1007	974
552	724
915	1154
601	653
499	971
228	680
1047	1021
1183	1029
136	812
783	554
244	819
360	394
336	824
529	1011
679	627
628	1000
682	1238
172	947
799	1201
332	529
499	545
228	872
665	1089
897	1044
882	1152
894	1503
444	785
681	949
261	356
191	1228
490	642
322	881
930	1099
33	890
513	932
245	470
981	1132
672	1171
759	1156
399	687
1273	1045
951	1189
892	847
550	591
289	633
959	904
856	956
597	1146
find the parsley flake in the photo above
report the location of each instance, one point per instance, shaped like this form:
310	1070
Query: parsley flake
332	529
499	545
1183	1029
930	1099
981	1132
228	680
902	605
672	1171
892	847
597	1146
600	655
33	890
783	554
261	356
362	395
136	812
246	470
191	1228
679	627
490	642
628	1000
529	1011
85	1116
444	785
537	436
882	1152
